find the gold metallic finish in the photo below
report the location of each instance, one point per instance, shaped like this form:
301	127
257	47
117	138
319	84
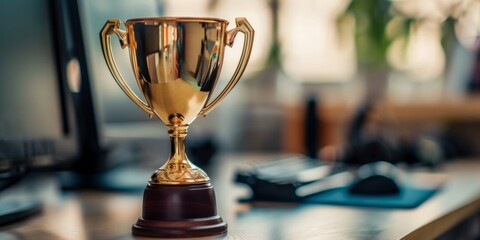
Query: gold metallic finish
178	169
176	63
244	27
111	27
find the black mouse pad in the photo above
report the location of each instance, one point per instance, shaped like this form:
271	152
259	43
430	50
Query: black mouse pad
409	197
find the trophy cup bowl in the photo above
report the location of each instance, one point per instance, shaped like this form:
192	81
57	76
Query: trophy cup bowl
176	62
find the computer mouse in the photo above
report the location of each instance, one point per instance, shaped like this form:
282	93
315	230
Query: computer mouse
375	179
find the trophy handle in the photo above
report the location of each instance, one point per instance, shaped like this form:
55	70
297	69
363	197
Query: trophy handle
112	27
244	27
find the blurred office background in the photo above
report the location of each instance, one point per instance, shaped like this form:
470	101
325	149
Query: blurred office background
351	80
417	61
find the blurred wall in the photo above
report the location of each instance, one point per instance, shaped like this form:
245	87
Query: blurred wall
338	51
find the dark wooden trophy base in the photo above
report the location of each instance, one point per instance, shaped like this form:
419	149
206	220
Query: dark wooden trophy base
179	211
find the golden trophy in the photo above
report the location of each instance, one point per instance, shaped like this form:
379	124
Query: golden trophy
176	62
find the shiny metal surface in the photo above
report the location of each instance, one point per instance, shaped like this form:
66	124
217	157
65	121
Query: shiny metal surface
176	63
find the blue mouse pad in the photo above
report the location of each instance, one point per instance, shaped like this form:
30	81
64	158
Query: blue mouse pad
409	197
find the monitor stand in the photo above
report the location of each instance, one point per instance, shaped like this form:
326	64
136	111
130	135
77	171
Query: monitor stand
115	169
122	179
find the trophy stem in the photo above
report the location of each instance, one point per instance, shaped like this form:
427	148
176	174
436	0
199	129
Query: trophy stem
178	136
178	169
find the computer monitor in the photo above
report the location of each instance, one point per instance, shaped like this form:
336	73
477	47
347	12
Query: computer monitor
121	126
44	103
117	117
37	119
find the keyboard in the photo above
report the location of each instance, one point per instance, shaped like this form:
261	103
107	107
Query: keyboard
290	178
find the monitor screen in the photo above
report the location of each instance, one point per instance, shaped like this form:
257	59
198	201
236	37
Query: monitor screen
117	116
35	125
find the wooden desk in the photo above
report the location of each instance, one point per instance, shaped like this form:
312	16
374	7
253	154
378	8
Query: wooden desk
107	215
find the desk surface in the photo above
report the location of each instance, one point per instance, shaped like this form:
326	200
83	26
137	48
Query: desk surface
108	215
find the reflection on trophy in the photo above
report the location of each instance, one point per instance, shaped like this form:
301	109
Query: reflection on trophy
176	62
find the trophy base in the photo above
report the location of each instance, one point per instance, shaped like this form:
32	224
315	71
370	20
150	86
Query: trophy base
179	211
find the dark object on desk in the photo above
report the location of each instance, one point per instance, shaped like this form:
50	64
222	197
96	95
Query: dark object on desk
189	211
11	176
474	78
12	211
311	128
376	185
202	151
363	147
129	178
305	180
375	179
289	178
